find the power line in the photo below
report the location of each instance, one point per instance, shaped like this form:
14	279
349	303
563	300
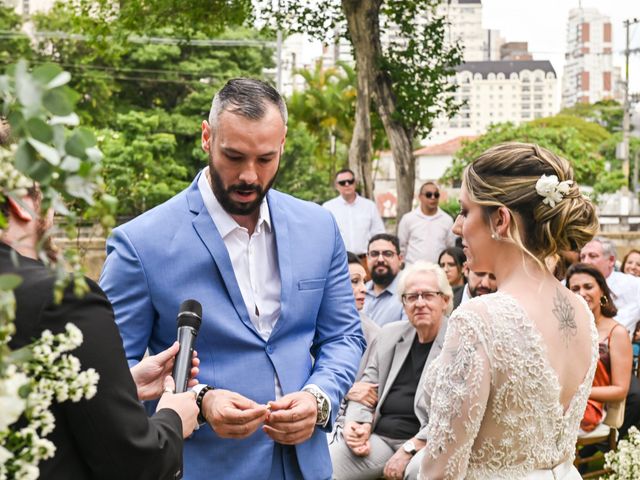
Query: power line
212	42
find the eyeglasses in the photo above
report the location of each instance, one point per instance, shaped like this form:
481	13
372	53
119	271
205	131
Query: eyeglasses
412	298
344	183
432	194
373	254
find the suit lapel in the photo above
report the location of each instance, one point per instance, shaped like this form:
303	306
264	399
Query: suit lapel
209	235
398	356
280	226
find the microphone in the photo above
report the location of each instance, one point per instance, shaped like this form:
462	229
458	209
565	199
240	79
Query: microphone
189	320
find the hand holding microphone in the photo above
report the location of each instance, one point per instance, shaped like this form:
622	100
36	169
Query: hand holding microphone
189	321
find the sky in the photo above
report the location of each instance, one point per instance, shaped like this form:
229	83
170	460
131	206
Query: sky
543	24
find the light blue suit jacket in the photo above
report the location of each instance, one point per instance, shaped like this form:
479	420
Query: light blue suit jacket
174	252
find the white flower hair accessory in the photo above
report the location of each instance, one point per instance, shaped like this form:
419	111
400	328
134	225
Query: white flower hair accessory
552	190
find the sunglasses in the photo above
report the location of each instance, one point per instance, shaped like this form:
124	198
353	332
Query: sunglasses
344	183
432	194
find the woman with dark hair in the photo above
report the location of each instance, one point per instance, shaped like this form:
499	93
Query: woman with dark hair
613	373
452	261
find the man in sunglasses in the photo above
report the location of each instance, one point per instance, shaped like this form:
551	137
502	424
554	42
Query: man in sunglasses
426	231
357	217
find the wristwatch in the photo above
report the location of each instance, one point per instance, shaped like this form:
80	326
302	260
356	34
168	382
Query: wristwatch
410	447
322	403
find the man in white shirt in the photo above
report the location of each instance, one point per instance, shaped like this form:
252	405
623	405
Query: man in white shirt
280	340
426	231
625	289
357	217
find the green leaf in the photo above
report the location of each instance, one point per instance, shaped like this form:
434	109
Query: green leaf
10	281
59	81
50	154
57	102
25	157
29	94
79	142
45	73
70	163
39	130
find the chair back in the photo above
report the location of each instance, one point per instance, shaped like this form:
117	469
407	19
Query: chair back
615	414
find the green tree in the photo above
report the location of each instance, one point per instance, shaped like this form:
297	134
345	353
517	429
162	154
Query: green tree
407	78
12	48
606	113
577	140
140	166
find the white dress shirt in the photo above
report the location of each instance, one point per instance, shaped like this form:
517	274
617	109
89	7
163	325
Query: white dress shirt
423	237
625	291
254	259
358	221
255	264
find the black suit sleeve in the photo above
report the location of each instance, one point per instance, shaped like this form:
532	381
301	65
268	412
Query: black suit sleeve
114	436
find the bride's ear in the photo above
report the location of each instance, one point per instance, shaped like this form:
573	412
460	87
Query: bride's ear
501	220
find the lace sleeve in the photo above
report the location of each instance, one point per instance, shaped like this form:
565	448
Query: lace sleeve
457	392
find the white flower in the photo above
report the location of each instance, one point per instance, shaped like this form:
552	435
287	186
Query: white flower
11	404
552	190
4	455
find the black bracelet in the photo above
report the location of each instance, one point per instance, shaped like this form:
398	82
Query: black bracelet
199	399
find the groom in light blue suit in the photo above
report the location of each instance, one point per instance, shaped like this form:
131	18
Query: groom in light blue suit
280	340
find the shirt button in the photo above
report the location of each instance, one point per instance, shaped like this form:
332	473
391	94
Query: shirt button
269	349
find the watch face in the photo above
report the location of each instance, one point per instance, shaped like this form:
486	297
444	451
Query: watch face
409	447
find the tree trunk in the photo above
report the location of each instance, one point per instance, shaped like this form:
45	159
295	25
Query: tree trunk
401	141
364	28
362	22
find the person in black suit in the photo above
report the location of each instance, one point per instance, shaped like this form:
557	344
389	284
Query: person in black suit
110	435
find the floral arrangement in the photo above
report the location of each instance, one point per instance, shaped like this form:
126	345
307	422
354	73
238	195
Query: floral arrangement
624	463
65	164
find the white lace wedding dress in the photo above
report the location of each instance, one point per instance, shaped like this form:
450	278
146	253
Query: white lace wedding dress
493	399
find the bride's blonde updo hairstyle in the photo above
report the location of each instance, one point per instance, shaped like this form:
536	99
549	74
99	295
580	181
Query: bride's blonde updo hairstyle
506	175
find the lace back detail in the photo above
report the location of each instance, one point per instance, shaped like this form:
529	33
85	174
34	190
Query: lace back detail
493	398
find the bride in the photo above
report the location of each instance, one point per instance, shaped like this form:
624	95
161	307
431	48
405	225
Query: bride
507	394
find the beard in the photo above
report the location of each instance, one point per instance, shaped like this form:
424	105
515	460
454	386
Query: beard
478	290
223	195
382	278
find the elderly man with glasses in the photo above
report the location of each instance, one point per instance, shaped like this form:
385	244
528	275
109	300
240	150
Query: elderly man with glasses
384	262
357	217
426	231
385	440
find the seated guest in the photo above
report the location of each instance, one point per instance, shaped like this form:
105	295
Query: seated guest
631	263
363	392
478	283
613	372
384	262
384	440
452	261
109	435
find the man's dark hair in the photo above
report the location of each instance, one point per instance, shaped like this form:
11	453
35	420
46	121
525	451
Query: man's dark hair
428	183
246	97
345	170
388	237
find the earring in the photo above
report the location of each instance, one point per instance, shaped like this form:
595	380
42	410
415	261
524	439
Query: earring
494	236
603	301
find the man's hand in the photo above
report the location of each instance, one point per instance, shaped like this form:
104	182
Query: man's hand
231	415
365	393
396	465
150	373
292	419
356	436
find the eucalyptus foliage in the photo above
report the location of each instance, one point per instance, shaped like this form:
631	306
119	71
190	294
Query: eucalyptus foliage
52	153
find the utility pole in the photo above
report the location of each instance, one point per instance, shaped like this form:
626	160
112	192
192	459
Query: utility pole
626	119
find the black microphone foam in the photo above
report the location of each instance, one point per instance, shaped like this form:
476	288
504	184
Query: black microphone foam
189	321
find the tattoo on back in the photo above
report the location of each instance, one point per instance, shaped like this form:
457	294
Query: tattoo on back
565	314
